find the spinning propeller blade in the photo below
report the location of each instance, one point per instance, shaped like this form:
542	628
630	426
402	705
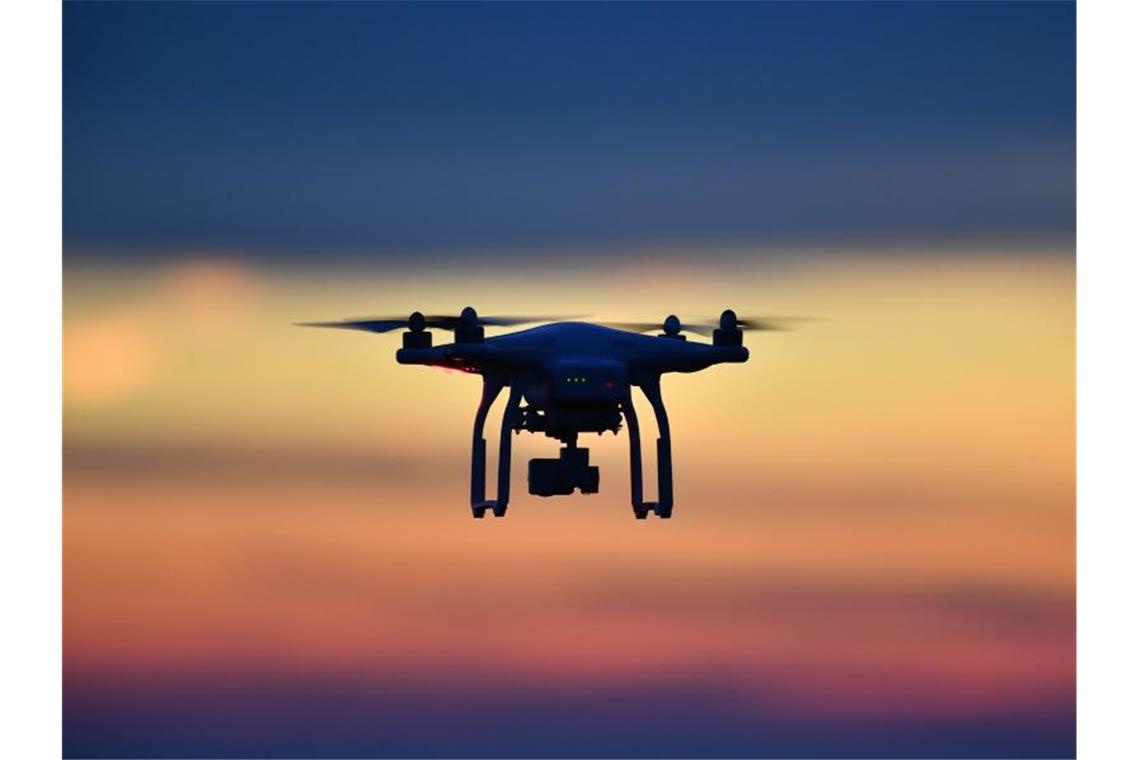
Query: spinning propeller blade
771	323
378	325
418	321
450	322
671	325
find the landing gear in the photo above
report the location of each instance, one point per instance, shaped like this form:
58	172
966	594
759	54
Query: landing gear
479	511
663	508
479	502
571	471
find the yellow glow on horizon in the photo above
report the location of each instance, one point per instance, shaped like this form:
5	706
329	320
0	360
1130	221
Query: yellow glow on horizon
870	491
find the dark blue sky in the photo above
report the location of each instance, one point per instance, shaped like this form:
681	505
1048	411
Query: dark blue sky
342	128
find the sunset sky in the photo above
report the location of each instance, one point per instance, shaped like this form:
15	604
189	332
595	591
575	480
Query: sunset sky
267	543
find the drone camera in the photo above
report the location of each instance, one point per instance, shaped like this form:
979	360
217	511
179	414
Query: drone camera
559	477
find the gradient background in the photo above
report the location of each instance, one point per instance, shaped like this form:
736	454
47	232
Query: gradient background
267	544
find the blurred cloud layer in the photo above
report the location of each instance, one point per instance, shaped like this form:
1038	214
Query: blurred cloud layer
267	532
267	544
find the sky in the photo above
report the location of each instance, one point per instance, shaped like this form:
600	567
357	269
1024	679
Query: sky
267	545
383	128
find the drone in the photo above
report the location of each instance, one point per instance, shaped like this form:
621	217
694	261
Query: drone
574	377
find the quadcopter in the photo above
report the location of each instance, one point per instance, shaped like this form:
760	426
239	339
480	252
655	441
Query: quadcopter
574	377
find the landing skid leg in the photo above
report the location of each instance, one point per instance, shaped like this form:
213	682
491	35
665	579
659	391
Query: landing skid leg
479	502
640	509
663	508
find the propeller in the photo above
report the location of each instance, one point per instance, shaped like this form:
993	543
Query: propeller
418	322
727	321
